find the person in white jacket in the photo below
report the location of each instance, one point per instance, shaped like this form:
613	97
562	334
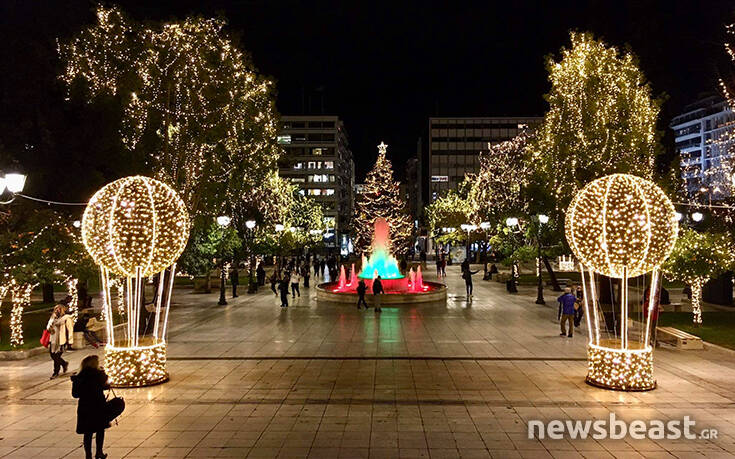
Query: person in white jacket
56	326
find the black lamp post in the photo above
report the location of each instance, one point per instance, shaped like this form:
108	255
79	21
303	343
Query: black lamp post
222	221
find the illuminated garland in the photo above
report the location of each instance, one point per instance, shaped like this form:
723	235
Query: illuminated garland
620	369
189	91
135	222
71	290
497	190
601	119
696	258
21	294
381	198
135	367
621	221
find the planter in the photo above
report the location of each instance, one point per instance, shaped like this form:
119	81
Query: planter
22	354
202	284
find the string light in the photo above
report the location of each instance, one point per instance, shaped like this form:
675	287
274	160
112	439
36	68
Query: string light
135	222
21	295
620	226
71	290
177	80
696	258
601	119
136	367
628	370
136	227
381	198
621	221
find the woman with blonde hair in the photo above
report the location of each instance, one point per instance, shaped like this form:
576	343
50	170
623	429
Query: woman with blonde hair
88	386
57	329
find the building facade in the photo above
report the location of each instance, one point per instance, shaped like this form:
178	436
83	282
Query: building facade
703	136
319	161
455	145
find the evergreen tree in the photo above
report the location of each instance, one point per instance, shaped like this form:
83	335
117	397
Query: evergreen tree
381	198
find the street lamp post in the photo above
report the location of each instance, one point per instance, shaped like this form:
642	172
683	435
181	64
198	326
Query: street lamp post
252	285
542	220
13	183
222	221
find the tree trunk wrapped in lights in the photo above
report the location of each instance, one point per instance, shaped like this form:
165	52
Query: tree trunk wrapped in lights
696	258
136	227
620	226
381	198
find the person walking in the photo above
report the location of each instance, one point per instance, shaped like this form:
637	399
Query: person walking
377	292
361	289
567	307
322	265
444	265
438	267
234	280
275	278
283	288
467	274
260	274
88	386
56	327
69	324
315	264
295	281
579	312
305	273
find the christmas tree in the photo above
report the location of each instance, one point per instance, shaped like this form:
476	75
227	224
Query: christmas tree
381	198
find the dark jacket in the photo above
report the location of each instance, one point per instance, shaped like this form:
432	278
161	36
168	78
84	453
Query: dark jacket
377	287
88	387
234	277
361	288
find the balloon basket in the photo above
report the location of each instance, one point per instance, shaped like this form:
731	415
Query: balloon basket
137	366
610	367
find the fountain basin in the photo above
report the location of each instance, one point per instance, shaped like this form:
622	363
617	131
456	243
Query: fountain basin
432	291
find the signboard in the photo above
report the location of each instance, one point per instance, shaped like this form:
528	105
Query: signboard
439	178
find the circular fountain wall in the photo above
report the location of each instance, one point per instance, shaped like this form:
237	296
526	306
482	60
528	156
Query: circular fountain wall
399	288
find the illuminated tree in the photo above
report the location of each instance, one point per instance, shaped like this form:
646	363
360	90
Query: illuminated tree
191	99
498	190
696	258
381	198
601	120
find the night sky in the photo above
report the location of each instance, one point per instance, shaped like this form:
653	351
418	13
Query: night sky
385	68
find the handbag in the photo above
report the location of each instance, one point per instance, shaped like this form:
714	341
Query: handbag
45	338
114	407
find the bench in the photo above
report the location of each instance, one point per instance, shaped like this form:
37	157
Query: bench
680	339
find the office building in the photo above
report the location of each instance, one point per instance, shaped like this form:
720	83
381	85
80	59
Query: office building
703	136
319	161
456	143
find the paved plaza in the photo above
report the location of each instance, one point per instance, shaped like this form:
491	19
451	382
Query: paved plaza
251	379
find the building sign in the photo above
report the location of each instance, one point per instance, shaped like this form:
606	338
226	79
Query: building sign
439	178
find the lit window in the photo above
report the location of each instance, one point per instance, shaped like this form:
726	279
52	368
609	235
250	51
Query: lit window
315	192
329	191
301	192
298	179
317	151
298	165
311	165
283	139
319	165
331	178
328	164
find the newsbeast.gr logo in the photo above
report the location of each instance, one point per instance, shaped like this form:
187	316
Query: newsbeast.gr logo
616	429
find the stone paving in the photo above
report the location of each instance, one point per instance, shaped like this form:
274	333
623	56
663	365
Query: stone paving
458	380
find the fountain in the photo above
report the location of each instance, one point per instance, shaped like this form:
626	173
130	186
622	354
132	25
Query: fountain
399	288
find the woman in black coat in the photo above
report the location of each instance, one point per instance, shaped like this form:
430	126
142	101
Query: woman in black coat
88	386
